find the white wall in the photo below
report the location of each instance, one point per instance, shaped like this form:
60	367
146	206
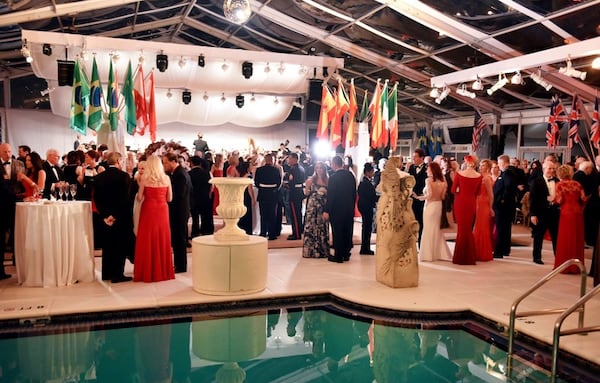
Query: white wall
42	130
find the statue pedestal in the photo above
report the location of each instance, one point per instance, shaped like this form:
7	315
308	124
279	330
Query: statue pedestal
230	261
229	268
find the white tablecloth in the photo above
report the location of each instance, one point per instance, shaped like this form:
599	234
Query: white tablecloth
54	243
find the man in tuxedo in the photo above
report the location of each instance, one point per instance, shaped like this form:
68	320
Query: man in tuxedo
54	173
295	178
418	169
544	211
179	209
10	187
505	205
367	199
200	146
268	181
111	197
339	209
201	203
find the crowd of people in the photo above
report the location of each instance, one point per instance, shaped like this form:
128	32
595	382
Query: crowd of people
142	204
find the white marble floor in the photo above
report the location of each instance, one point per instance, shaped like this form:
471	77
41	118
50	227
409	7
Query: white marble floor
487	289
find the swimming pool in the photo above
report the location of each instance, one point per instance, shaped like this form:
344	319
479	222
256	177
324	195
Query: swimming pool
296	339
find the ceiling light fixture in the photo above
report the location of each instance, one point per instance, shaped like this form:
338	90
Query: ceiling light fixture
517	79
325	72
237	11
267	68
276	101
186	97
435	93
596	63
223	99
502	80
224	66
442	95
572	72
201	61
281	68
162	62
169	94
182	62
205	97
537	78
462	90
47	91
477	84
247	69
26	52
252	99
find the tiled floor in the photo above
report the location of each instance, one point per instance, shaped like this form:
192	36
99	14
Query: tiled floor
487	289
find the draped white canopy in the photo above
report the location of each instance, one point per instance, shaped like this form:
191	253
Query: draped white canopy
277	80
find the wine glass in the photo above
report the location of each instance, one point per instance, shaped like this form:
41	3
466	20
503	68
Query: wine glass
73	191
61	190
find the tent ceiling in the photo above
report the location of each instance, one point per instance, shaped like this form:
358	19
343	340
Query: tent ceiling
408	41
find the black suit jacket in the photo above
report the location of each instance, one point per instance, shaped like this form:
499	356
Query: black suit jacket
505	192
266	176
367	196
51	177
420	178
538	197
179	207
200	195
111	196
341	195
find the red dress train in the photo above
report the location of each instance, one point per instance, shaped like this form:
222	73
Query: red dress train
484	244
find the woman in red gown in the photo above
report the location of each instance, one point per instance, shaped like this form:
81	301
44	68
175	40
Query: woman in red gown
153	258
216	170
465	187
570	242
484	215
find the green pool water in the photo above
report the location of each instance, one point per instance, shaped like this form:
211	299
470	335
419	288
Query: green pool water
289	344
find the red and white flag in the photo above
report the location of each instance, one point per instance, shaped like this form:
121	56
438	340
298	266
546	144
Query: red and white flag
595	130
151	106
574	123
139	95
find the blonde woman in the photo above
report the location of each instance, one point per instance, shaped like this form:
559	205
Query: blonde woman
153	259
484	214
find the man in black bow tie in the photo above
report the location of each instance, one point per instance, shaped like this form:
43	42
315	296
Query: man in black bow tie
544	211
418	170
54	173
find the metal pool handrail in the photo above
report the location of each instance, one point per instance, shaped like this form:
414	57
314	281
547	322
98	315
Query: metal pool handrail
580	330
541	282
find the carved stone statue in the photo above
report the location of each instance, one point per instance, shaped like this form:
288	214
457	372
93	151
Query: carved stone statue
397	229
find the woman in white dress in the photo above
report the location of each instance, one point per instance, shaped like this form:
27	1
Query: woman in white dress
433	244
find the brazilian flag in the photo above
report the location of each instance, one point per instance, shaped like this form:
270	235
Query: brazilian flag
95	113
80	99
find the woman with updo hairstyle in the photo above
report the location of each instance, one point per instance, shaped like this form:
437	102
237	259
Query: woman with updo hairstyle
465	188
571	198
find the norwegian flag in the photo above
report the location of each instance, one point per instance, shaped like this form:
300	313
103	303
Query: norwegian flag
574	123
557	115
595	130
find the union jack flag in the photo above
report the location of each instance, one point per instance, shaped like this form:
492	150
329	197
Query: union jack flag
595	130
557	115
574	123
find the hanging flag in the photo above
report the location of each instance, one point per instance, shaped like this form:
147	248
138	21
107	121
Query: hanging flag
574	123
375	109
139	95
422	138
557	115
112	99
327	109
127	92
80	99
595	129
438	143
479	125
351	130
385	116
393	117
95	112
364	110
151	106
341	107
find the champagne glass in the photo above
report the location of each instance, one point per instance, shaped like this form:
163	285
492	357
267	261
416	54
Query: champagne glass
61	190
73	190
